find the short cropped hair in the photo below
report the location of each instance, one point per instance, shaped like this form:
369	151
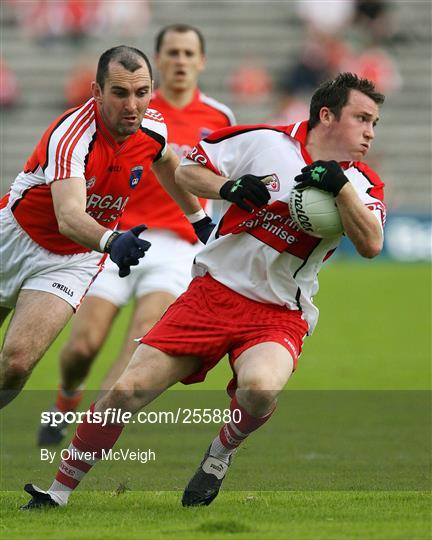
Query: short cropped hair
182	29
334	94
129	57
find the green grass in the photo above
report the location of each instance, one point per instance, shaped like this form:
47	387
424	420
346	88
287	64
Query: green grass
355	452
250	515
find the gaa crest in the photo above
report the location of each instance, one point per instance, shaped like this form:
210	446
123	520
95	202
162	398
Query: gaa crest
135	175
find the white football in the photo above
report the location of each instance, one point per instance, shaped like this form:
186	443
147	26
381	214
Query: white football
315	212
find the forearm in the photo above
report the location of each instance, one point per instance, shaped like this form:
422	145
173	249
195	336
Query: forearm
164	170
200	181
81	228
360	225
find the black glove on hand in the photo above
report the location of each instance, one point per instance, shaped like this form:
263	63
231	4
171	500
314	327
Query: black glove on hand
248	187
324	175
203	228
126	249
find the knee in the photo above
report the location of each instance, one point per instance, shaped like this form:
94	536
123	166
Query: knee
16	366
80	350
122	396
258	396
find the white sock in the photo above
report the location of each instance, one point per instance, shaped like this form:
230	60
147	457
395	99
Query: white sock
219	451
59	492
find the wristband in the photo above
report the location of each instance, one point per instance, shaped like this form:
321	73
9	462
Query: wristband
197	216
106	240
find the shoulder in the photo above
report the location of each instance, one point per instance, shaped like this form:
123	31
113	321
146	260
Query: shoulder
367	172
361	172
257	130
154	116
218	107
76	122
153	124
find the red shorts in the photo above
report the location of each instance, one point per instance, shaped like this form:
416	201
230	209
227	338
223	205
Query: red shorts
210	320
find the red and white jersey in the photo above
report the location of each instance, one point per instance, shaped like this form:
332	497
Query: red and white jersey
264	256
186	126
78	144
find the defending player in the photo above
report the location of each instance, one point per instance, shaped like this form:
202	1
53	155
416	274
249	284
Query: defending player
254	280
166	272
58	216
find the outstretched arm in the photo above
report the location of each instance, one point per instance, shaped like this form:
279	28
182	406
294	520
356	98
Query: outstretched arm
164	169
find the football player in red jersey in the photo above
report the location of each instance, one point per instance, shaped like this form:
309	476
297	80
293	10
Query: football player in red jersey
166	272
59	215
252	294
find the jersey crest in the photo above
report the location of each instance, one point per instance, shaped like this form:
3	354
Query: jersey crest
135	176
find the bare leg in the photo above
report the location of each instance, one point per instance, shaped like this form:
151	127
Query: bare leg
89	331
147	375
38	319
262	372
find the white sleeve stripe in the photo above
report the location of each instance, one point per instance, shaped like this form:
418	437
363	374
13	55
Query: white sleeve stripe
66	138
71	144
295	129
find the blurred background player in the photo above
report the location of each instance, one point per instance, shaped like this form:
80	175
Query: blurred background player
190	115
60	212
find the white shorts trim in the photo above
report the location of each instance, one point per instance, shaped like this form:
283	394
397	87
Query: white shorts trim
26	265
166	267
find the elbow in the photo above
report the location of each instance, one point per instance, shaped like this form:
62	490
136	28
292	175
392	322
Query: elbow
63	225
179	177
371	249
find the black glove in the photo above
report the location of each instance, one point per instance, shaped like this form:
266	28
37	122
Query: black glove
324	175
203	228
248	187
125	249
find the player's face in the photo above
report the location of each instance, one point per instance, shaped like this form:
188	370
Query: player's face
180	61
353	133
124	99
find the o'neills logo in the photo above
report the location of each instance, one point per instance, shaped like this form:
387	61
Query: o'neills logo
297	211
63	288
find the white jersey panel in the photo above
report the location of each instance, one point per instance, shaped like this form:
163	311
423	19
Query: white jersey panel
264	255
362	185
153	120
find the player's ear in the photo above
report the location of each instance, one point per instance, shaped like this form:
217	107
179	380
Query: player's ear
326	116
203	62
96	91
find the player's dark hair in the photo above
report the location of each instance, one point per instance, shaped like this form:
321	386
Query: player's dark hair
334	94
182	29
129	57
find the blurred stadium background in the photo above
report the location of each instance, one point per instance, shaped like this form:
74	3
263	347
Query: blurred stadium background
263	60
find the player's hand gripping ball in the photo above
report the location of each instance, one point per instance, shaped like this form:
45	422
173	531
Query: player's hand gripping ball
325	175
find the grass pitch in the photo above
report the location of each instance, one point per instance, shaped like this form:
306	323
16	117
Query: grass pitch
373	337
